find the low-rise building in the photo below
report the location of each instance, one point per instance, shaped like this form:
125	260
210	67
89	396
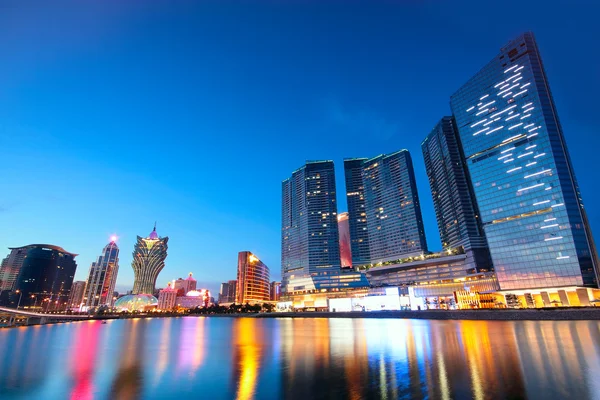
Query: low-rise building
167	298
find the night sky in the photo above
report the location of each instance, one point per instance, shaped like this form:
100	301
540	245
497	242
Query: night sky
117	114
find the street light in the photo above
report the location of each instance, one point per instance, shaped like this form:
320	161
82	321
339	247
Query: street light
20	296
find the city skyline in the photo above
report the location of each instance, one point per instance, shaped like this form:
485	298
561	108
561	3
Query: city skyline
259	227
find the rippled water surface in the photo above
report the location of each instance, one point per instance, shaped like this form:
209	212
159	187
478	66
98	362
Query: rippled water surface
245	358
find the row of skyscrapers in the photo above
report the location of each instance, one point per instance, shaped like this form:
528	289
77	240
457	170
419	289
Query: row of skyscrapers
508	207
41	275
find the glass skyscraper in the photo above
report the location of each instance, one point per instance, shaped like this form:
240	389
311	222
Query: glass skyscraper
455	208
309	235
103	277
355	197
391	207
45	277
523	180
149	255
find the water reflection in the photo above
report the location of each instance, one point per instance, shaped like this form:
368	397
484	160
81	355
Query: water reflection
246	358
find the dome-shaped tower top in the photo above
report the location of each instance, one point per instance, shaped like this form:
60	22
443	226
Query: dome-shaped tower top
153	235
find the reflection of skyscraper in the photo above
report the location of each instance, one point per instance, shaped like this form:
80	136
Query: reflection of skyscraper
47	272
149	257
129	380
345	249
523	180
102	277
252	279
309	235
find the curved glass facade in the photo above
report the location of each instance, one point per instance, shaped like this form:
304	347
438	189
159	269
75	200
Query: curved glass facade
45	277
136	302
253	281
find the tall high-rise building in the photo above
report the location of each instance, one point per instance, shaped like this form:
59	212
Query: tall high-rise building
46	276
391	208
355	196
252	279
103	277
149	257
309	236
76	294
11	266
185	285
345	245
453	199
275	292
528	198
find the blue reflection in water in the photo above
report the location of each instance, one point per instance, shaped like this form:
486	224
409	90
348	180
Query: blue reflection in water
246	358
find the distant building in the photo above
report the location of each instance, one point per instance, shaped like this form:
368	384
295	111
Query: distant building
149	257
453	199
252	279
391	204
227	294
275	292
309	228
345	245
76	295
167	298
46	277
103	277
11	266
185	285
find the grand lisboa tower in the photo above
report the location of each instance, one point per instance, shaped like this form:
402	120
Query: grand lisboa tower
149	257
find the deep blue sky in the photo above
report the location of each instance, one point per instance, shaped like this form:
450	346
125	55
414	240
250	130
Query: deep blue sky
116	114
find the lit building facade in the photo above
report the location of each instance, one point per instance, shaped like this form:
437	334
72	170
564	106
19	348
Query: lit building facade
345	243
391	207
194	299
453	200
149	256
185	285
76	295
435	276
167	298
11	266
275	292
357	221
309	235
252	279
527	195
46	277
103	277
